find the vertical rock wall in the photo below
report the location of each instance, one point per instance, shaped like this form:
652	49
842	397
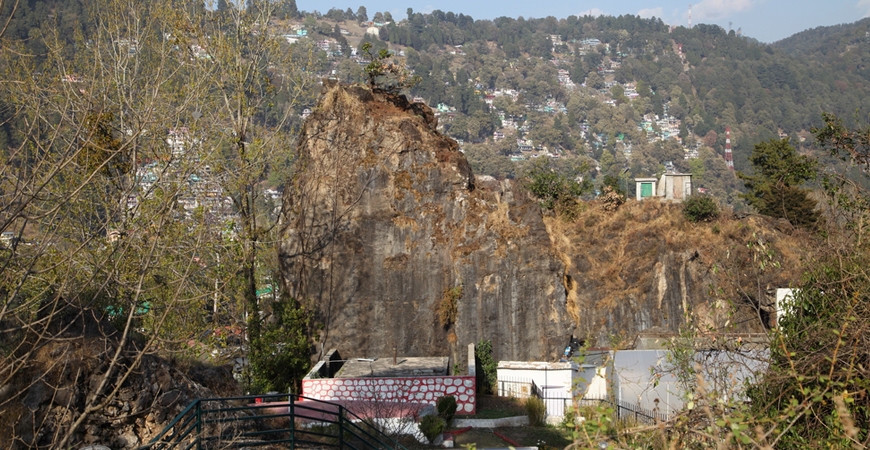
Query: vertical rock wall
383	218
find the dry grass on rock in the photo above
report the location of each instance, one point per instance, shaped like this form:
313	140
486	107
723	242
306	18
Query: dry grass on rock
629	253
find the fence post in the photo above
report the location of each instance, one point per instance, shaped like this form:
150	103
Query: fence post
340	426
199	425
292	420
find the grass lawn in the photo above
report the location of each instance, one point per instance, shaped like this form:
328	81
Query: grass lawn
524	436
549	436
480	437
493	407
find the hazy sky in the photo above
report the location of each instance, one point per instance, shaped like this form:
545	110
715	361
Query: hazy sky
765	20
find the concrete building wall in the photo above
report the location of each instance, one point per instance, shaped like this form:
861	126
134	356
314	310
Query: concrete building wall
556	382
553	376
593	382
675	186
634	378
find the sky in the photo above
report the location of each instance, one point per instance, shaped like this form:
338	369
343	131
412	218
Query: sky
765	20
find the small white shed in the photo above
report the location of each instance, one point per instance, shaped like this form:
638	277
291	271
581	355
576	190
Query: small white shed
675	186
645	188
671	186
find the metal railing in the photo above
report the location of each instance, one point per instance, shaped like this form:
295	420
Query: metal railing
557	406
623	410
507	387
259	420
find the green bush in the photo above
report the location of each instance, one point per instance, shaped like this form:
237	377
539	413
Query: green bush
700	208
431	426
819	370
487	368
557	189
446	408
279	355
536	410
569	419
774	188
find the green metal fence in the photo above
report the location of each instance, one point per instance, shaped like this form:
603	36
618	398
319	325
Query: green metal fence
279	420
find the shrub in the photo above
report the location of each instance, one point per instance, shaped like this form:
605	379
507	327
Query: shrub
487	368
819	371
279	355
700	208
431	426
569	419
446	408
536	410
448	308
557	190
611	200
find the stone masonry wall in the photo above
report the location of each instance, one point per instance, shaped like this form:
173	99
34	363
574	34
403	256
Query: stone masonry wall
411	389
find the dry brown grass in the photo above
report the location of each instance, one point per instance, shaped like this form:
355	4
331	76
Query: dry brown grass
622	251
448	309
507	231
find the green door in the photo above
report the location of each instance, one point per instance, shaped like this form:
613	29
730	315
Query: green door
645	190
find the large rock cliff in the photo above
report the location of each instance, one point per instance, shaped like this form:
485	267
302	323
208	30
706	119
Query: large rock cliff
384	221
646	269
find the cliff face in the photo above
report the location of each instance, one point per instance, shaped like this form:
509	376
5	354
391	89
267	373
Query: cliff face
645	268
383	219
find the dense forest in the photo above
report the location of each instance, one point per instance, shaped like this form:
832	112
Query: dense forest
621	71
707	78
618	75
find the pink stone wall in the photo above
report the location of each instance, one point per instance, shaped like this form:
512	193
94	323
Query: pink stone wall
415	389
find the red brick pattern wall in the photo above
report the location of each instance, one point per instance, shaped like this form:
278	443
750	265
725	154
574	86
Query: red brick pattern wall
414	389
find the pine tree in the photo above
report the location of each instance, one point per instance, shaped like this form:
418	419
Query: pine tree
774	188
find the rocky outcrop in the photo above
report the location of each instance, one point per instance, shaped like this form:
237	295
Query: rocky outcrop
71	384
384	221
645	268
383	224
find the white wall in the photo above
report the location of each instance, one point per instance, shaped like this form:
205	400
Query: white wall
634	380
784	302
553	378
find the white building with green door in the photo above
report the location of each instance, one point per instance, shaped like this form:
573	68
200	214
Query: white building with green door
645	188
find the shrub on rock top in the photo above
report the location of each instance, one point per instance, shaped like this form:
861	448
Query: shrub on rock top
700	208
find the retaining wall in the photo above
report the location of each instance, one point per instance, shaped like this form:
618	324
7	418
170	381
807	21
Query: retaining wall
404	389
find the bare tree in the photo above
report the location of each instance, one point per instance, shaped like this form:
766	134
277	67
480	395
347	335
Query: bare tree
132	183
254	84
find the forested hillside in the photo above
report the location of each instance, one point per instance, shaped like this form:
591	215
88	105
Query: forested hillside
619	96
706	78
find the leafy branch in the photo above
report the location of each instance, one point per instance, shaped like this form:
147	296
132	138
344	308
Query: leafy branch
386	74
